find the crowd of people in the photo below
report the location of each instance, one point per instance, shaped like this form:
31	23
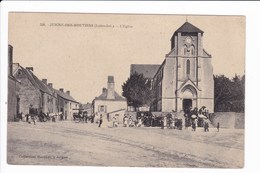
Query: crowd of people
192	118
197	118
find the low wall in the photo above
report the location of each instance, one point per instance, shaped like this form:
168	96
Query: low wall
230	120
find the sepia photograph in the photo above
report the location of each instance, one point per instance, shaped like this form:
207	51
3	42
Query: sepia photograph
126	90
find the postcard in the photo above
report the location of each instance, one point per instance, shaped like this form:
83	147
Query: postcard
126	90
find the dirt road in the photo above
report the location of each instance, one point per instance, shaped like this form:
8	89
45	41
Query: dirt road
70	143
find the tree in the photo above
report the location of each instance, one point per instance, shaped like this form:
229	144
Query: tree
238	90
229	94
137	90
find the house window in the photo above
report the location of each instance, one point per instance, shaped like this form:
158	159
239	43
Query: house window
102	108
188	67
19	72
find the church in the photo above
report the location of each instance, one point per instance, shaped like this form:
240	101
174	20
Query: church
185	77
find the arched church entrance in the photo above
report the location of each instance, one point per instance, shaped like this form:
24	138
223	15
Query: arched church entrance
189	97
186	104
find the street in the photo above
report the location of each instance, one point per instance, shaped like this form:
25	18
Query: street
72	143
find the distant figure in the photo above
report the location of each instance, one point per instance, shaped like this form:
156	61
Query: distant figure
193	126
218	126
125	120
165	121
100	120
130	122
34	119
115	123
61	117
92	118
108	117
206	126
162	123
139	122
21	116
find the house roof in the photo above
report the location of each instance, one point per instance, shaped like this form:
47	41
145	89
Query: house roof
148	70
15	67
103	96
13	78
86	106
65	95
188	27
38	84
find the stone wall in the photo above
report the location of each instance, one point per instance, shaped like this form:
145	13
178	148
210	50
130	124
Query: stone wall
230	120
12	100
29	95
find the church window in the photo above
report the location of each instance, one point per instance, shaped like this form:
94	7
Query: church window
192	50
185	50
188	67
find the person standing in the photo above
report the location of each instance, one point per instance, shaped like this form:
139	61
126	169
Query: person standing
115	124
193	125
162	123
34	119
218	126
100	120
108	119
125	120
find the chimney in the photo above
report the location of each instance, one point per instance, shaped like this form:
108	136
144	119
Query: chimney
10	59
110	79
44	81
68	92
104	90
29	68
50	85
110	88
61	89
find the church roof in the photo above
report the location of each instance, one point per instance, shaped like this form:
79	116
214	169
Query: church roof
188	27
148	70
103	96
205	53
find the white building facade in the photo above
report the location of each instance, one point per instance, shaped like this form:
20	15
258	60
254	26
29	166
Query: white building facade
110	103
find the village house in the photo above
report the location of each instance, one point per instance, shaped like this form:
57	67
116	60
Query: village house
26	91
185	78
87	107
13	83
66	104
110	104
34	93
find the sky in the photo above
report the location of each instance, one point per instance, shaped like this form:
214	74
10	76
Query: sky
78	52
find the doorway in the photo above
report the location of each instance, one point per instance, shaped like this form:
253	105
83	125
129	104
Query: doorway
186	104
